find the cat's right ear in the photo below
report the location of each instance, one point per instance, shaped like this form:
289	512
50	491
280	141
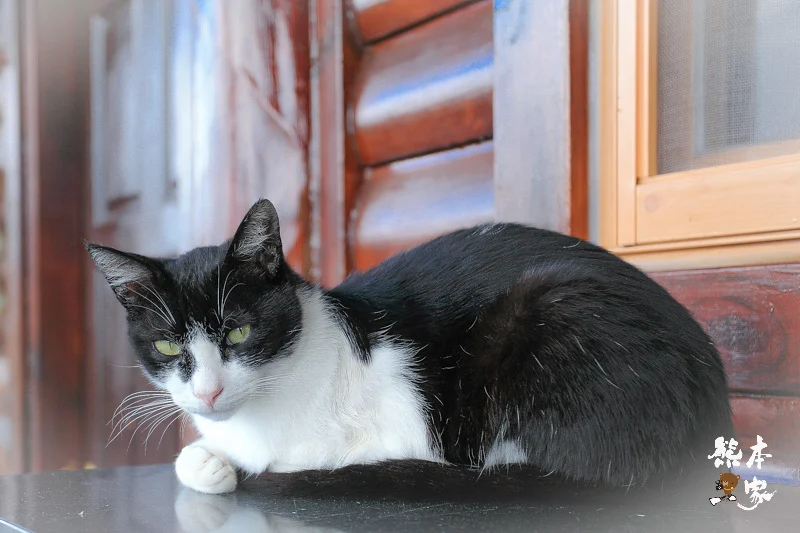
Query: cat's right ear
131	276
257	241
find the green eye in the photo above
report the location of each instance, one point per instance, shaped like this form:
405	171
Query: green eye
237	335
167	347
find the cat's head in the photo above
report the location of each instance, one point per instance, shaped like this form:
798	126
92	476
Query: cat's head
206	326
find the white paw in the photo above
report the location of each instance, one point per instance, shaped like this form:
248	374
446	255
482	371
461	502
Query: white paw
203	471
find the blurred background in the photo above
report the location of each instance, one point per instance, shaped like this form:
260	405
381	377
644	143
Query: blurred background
668	132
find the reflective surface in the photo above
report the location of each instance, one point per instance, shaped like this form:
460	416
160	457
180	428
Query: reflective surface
400	498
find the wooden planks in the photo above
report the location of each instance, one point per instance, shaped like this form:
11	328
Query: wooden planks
751	314
426	89
378	18
408	202
776	419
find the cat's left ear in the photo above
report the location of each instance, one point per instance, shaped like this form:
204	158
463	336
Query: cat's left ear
129	275
258	239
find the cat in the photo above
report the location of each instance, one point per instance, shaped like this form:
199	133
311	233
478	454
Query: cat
495	345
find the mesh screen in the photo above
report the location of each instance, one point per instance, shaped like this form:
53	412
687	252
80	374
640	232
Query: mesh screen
728	81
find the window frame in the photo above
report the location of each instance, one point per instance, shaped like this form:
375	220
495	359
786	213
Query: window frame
742	213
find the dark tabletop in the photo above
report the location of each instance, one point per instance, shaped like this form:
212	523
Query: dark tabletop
398	498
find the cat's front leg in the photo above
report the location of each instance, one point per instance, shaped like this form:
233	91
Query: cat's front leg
200	468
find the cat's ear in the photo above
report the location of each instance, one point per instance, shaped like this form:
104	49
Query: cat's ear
131	276
258	239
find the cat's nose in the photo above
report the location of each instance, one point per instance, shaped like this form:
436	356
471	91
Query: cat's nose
209	397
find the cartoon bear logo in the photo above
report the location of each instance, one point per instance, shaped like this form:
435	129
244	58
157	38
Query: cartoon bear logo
727	482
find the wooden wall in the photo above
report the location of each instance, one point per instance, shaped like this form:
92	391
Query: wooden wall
752	315
413	125
406	150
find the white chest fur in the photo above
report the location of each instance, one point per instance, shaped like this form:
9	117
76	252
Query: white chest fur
329	409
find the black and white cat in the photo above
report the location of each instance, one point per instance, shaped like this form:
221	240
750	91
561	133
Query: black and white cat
494	345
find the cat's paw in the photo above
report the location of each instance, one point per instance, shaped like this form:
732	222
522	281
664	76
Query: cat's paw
203	471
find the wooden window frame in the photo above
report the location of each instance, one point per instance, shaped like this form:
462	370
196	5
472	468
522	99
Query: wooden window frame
743	213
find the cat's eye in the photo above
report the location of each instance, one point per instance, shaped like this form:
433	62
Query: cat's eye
237	335
167	347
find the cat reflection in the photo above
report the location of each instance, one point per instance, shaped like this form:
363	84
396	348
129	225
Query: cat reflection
207	513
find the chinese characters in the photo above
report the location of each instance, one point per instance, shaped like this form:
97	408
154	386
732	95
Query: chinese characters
725	452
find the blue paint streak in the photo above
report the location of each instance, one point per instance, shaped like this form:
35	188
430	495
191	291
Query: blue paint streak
436	77
500	5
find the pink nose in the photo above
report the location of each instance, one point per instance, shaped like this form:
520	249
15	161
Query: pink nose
209	397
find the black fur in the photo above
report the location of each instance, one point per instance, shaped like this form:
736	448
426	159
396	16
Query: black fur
533	336
520	334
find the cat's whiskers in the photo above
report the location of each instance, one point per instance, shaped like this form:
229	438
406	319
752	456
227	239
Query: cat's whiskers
162	415
183	424
165	315
221	302
182	414
140	419
139	396
227	295
136	411
164	305
152	310
219	309
145	420
135	406
153	425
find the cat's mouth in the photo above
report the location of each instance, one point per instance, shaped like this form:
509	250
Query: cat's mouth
217	415
214	414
